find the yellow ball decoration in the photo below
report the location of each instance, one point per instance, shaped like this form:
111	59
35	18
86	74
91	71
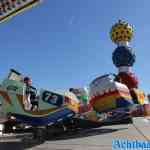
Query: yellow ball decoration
121	32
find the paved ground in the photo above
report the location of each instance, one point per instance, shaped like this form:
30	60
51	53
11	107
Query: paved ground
93	139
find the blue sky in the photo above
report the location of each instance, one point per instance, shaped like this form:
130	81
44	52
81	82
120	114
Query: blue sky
65	43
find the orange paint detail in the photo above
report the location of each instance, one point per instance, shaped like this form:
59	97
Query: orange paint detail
74	106
6	97
105	103
110	94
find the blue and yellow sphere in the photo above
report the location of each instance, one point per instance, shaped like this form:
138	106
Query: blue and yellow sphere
121	32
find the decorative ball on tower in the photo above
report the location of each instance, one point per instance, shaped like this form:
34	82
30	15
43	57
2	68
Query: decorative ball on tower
124	56
121	32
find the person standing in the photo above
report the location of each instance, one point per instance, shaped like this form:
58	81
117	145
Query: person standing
30	93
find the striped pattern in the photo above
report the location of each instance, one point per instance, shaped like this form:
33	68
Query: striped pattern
109	100
106	94
10	8
109	92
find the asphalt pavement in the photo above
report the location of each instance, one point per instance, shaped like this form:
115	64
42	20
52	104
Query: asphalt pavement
90	139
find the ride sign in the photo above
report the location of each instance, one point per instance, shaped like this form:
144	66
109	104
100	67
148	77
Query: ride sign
52	98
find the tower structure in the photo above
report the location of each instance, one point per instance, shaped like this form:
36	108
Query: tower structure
124	56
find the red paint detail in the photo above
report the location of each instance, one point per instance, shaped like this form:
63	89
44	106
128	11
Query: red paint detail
67	100
85	108
129	79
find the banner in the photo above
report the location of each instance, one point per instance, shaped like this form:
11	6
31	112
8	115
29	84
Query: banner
10	8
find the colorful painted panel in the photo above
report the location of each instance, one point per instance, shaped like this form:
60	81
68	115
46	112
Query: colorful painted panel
138	96
106	94
50	118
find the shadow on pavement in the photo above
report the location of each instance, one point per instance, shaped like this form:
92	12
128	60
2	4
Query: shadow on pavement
17	145
30	143
83	133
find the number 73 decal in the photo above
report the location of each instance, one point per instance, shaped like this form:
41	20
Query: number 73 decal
52	98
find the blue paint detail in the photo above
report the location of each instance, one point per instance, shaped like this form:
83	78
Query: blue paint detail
123	56
45	120
122	102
